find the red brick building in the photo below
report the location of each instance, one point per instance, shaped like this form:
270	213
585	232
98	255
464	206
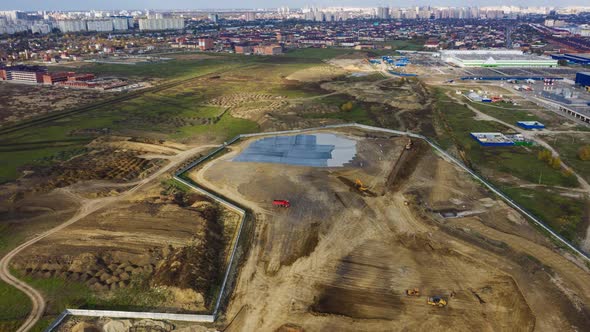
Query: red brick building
205	44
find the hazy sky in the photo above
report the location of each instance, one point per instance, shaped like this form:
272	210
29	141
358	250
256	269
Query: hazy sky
201	4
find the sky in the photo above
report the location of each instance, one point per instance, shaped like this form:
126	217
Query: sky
203	4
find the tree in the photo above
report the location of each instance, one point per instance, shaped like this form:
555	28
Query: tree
347	107
544	155
555	163
584	153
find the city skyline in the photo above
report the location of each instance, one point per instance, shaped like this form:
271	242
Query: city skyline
30	5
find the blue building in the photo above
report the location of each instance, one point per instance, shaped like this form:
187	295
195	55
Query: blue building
530	125
578	58
583	79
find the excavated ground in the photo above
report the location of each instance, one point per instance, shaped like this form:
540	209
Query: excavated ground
165	246
341	260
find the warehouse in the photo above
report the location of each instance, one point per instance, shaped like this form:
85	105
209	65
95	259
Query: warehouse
583	79
577	58
495	58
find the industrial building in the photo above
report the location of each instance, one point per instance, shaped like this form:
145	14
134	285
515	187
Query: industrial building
583	79
155	24
530	125
499	139
577	58
495	58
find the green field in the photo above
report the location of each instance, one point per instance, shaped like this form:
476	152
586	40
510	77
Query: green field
506	112
519	162
567	146
564	215
508	167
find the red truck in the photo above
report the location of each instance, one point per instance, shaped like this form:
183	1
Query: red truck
281	203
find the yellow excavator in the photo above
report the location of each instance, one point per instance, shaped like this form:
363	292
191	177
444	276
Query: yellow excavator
437	301
413	292
360	186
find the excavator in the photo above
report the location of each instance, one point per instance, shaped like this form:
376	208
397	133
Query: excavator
437	301
360	186
413	292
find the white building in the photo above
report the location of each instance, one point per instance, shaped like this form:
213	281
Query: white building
495	58
161	24
120	23
71	25
383	13
99	25
42	28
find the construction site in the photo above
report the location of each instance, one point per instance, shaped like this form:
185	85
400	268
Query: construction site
393	237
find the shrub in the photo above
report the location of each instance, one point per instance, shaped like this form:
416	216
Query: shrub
584	153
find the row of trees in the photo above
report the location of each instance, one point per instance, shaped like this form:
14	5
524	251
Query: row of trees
547	156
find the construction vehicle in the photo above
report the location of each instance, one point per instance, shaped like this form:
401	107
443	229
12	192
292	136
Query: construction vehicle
281	203
437	301
409	144
413	292
360	186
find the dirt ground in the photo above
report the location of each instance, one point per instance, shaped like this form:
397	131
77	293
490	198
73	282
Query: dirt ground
160	238
341	260
22	101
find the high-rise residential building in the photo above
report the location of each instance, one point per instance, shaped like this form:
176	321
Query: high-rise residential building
383	13
395	13
99	25
213	17
319	16
161	24
42	28
71	25
120	23
250	16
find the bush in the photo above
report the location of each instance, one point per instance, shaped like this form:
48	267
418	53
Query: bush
584	153
347	107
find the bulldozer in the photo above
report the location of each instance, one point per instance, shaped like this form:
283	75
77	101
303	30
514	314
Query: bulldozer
437	301
360	186
413	292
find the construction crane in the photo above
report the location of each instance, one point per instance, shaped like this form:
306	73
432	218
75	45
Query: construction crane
437	301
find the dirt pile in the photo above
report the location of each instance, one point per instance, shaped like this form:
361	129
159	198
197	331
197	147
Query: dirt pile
194	266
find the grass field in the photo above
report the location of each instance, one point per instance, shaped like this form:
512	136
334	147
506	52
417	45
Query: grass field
567	146
519	162
564	215
176	69
508	167
506	112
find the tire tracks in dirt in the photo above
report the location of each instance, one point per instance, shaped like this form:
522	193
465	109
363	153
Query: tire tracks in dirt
87	207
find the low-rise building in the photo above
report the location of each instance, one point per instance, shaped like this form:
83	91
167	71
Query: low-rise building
495	58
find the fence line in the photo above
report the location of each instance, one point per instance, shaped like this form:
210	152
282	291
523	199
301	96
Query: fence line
242	212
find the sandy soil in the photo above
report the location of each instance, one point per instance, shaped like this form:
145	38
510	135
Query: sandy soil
338	260
22	101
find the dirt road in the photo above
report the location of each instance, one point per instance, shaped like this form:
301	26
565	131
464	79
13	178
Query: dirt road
87	207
